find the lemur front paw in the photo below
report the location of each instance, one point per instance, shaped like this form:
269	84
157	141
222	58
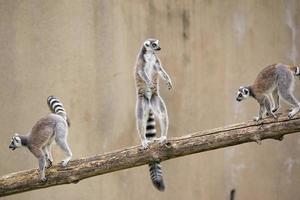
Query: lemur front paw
169	85
65	162
291	115
150	84
256	119
145	144
274	116
271	115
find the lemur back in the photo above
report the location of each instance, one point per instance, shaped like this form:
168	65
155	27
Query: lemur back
47	129
271	76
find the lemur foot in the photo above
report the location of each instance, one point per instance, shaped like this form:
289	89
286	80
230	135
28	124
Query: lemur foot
145	144
169	85
256	119
272	115
162	139
43	179
291	115
65	162
293	112
275	109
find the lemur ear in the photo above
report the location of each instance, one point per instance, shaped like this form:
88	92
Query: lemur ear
147	43
16	134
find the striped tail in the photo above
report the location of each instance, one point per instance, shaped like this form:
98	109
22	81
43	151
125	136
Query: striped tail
57	107
156	174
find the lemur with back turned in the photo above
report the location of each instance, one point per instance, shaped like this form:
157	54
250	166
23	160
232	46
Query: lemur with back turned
52	127
149	104
273	82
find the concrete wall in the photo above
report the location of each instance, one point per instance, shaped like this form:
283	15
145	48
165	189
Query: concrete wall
84	52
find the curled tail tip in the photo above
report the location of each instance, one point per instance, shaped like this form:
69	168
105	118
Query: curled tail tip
50	97
160	185
56	106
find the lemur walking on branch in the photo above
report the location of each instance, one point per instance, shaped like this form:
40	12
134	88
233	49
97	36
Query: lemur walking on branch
272	83
148	68
52	127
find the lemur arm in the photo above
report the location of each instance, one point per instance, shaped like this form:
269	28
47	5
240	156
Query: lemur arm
164	75
141	72
145	77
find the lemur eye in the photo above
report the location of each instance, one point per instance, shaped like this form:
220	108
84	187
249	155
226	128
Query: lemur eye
154	45
246	92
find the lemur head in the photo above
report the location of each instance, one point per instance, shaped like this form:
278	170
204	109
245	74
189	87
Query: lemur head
15	142
152	45
243	93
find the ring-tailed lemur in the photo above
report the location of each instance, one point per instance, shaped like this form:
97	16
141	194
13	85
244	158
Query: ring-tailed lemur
272	82
149	103
52	127
156	174
148	68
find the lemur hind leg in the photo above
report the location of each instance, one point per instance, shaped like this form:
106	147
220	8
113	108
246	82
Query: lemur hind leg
142	112
160	111
285	91
275	98
61	140
268	108
39	154
47	151
62	143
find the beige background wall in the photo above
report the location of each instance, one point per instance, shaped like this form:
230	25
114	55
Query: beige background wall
84	52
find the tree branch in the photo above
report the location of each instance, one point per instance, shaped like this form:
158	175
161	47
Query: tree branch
134	156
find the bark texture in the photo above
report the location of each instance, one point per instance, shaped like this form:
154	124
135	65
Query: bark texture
135	156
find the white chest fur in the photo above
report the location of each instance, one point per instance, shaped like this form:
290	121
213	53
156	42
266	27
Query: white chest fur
150	59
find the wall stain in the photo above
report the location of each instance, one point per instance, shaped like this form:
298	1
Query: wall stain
185	24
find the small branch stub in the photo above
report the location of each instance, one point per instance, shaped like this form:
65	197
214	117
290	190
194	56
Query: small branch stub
257	139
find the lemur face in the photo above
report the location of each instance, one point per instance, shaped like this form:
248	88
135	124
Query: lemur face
15	142
242	93
152	45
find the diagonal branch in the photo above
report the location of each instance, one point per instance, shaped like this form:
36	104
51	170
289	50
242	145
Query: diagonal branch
134	156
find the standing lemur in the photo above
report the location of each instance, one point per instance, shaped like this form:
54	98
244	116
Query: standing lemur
148	68
272	82
52	127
